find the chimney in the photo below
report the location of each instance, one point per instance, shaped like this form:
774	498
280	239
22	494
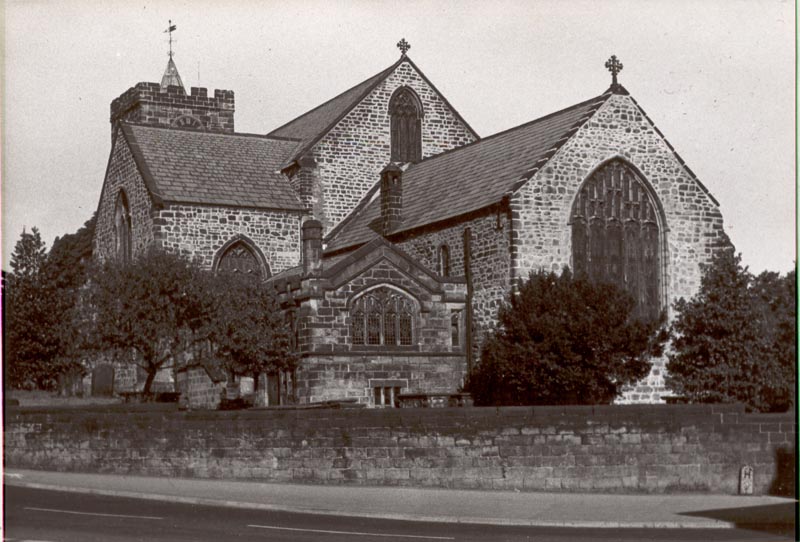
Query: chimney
312	247
391	198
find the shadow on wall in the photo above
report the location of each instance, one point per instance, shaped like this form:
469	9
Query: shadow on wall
784	482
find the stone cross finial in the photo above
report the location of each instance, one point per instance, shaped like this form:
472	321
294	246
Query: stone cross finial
404	46
614	66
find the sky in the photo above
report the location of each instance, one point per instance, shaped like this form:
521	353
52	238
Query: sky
716	76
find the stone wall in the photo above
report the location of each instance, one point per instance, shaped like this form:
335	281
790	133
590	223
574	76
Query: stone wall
641	448
198	390
122	174
147	103
199	231
490	258
350	157
693	228
326	378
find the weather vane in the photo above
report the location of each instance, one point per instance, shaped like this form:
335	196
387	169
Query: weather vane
404	46
614	66
171	29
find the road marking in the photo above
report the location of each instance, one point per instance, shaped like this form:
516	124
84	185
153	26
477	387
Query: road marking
89	513
354	533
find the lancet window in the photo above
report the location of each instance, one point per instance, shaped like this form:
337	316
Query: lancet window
122	228
405	111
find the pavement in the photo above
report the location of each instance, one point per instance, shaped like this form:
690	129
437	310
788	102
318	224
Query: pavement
437	505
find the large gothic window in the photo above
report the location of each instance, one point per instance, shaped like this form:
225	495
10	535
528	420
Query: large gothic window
122	228
382	317
615	235
406	113
239	258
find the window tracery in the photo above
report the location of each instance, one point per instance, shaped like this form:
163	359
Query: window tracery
616	235
406	126
240	259
382	317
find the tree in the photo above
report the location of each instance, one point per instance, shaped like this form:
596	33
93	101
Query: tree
28	338
247	328
734	341
562	340
154	306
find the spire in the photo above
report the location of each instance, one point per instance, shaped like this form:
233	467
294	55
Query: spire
171	76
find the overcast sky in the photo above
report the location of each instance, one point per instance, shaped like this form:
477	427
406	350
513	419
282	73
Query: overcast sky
716	76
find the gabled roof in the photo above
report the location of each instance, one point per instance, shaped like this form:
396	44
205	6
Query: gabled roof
193	166
467	178
312	126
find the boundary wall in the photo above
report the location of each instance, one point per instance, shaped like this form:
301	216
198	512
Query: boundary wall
615	448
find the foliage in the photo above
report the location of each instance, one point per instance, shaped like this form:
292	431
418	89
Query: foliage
563	340
735	340
247	329
28	339
153	306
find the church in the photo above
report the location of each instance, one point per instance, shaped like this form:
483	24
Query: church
391	231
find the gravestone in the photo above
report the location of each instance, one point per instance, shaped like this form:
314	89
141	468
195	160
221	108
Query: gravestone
746	480
103	380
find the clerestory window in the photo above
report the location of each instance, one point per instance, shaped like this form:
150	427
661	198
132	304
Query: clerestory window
382	317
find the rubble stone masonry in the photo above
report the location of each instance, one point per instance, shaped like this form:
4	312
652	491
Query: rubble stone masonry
199	231
633	449
350	157
694	230
123	174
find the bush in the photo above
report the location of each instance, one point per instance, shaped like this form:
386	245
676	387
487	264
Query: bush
562	340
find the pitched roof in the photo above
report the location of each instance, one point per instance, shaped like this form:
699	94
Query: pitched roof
310	127
192	166
467	178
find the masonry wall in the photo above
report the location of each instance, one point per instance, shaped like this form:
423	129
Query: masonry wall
147	103
641	448
122	174
325	378
199	231
350	157
694	223
490	258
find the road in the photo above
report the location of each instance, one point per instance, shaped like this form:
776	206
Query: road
53	516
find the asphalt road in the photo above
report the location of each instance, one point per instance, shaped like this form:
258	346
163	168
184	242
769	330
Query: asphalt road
53	516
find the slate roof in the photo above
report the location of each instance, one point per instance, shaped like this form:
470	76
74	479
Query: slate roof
312	126
192	166
467	178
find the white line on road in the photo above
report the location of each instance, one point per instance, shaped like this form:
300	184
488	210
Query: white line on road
89	513
354	533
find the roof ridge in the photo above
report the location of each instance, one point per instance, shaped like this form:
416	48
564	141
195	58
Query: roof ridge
380	75
211	132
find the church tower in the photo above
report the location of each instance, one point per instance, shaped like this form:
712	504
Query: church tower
167	104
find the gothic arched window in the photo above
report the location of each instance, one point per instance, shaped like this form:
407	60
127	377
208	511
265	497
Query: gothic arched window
405	110
444	261
240	258
382	317
616	235
122	228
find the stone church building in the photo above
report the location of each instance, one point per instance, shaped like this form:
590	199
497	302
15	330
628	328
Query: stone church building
391	231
